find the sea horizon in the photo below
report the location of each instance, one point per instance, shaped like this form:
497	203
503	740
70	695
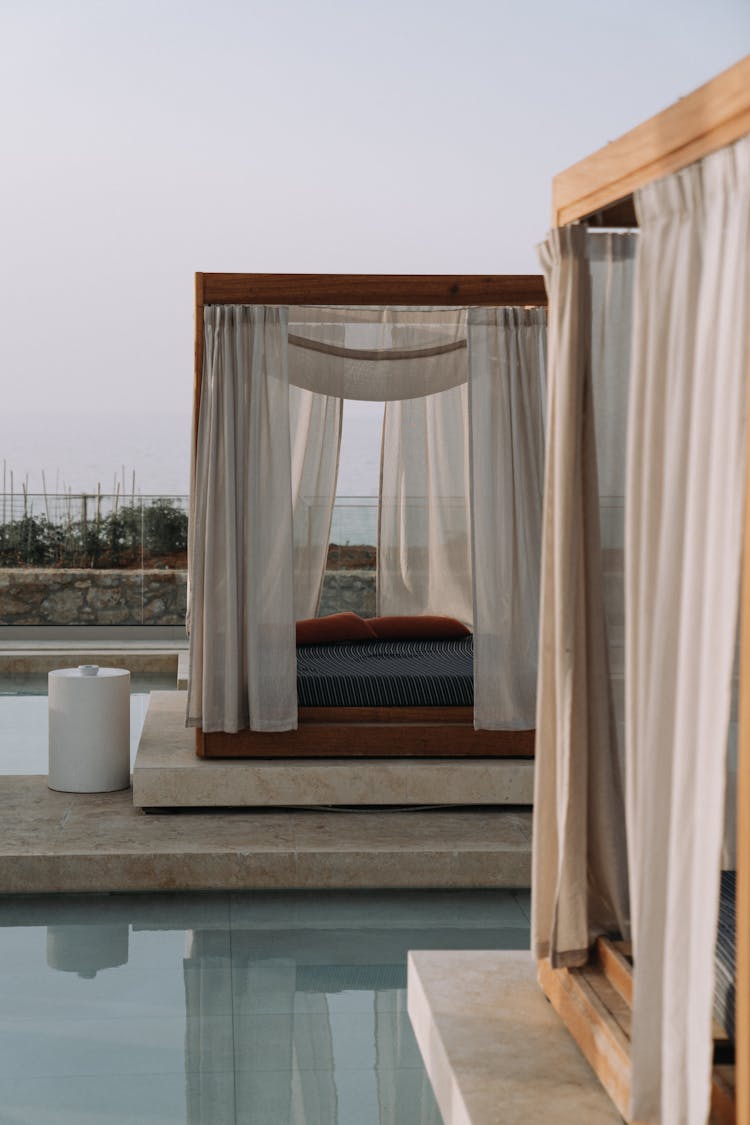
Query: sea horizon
147	454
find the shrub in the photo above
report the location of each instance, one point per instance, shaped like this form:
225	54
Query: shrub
128	537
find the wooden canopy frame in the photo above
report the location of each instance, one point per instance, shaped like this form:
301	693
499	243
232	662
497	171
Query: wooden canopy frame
364	731
595	1001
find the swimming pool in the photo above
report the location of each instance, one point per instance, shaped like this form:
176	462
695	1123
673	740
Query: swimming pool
275	1008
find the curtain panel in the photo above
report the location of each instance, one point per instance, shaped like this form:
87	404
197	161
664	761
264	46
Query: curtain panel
579	850
507	362
377	354
684	541
266	463
242	644
424	557
315	425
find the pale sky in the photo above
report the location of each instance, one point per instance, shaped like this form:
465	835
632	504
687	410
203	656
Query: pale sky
143	140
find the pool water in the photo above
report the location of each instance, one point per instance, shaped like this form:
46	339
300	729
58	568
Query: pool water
24	737
283	1008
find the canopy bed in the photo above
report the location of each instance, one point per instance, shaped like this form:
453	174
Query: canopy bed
634	818
459	364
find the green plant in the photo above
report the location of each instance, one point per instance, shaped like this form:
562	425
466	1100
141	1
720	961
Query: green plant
164	528
127	537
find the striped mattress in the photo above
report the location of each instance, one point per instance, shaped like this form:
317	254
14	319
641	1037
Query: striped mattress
384	673
724	958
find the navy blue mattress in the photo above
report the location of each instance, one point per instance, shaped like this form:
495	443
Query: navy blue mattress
384	673
724	960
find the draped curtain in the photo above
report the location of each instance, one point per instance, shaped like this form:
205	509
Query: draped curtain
424	555
377	354
315	423
684	540
507	358
579	849
242	644
265	479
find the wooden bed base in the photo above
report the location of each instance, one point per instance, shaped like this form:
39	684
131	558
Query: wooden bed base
372	732
595	1004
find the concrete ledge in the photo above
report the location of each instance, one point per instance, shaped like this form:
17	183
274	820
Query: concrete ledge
99	842
168	774
494	1049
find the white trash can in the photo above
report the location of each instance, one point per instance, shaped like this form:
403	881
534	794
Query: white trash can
89	729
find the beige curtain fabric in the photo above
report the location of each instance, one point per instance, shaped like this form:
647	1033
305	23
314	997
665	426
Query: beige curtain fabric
242	646
265	473
611	258
507	360
424	563
377	354
315	425
684	539
579	850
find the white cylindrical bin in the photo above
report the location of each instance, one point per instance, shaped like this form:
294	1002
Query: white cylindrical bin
89	729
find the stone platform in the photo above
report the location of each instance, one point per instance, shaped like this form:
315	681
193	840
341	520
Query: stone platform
493	1047
168	774
99	842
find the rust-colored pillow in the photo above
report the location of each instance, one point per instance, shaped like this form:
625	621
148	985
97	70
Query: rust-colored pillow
425	628
335	627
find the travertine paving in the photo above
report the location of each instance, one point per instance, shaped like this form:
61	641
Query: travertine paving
494	1049
100	842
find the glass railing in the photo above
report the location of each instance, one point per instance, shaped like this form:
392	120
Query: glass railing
93	531
354	533
114	559
71	559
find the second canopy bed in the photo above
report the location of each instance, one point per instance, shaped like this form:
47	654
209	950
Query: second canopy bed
459	364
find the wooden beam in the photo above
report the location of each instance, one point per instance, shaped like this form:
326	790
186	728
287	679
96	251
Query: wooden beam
585	1010
373	289
617	969
620	214
594	1004
709	118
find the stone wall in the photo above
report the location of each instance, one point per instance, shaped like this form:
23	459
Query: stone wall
348	589
139	597
93	597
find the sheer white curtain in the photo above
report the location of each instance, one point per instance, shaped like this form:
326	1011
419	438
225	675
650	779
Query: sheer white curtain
507	358
424	555
243	665
579	848
315	424
265	472
377	354
414	360
611	257
684	540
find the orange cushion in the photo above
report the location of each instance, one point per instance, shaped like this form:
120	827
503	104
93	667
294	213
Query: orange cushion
417	628
335	627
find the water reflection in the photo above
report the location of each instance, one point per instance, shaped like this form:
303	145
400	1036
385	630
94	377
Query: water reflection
314	1042
216	1009
87	949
